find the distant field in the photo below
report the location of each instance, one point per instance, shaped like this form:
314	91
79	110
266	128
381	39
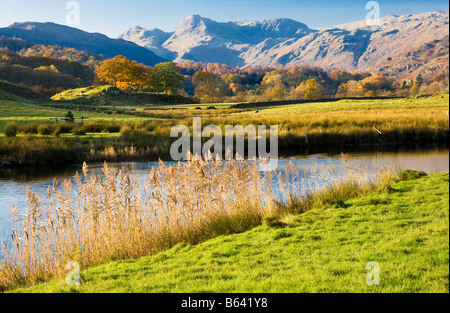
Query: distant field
192	106
439	101
322	126
23	113
343	111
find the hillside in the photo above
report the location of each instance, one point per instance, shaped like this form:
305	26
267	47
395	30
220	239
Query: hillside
28	49
14	92
429	60
64	36
109	96
44	74
284	41
405	230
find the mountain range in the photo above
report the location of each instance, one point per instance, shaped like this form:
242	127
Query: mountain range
69	37
352	46
399	45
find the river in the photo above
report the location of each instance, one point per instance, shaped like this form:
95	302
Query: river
13	183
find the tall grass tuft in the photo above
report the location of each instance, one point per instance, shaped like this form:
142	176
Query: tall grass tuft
105	216
11	129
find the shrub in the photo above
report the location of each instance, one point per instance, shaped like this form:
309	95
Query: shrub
69	115
125	130
150	127
44	130
91	127
11	129
112	128
65	128
410	175
101	126
29	129
273	221
79	131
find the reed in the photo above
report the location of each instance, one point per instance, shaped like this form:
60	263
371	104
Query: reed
99	217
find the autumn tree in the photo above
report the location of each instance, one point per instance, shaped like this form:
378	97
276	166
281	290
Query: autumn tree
126	74
235	88
231	78
167	77
144	77
46	75
275	93
311	89
378	85
210	87
416	84
118	71
352	88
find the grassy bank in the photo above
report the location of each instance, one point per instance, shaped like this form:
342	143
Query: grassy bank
109	96
405	229
95	219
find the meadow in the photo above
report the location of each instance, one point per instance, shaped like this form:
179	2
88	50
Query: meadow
322	126
28	113
436	101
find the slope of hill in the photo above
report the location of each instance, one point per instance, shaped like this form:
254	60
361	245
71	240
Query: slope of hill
109	96
46	75
428	60
14	92
284	41
64	36
28	49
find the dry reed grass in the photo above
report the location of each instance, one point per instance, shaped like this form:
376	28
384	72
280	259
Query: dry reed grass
95	218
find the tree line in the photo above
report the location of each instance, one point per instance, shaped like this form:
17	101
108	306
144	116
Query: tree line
44	74
51	69
217	82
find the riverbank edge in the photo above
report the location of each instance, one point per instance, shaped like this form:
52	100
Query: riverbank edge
272	222
40	151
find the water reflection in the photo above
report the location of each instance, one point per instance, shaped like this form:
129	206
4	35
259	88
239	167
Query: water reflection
13	183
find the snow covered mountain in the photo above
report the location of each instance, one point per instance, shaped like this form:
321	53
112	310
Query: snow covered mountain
284	41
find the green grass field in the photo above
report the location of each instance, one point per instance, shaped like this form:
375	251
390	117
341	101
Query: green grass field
437	101
108	96
405	230
25	113
22	112
320	126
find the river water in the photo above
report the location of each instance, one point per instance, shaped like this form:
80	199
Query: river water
13	183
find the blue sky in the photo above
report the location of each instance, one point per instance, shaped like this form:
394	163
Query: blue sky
113	17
